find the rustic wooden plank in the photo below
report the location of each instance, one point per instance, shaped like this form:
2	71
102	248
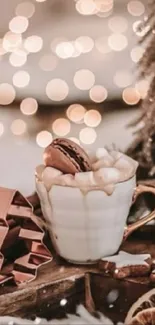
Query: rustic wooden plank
59	279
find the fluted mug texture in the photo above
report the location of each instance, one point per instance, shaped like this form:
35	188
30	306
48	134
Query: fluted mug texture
85	228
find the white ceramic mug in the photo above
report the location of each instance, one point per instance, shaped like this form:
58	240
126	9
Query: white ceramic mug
85	228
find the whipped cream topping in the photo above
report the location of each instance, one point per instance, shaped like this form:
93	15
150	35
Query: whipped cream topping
108	169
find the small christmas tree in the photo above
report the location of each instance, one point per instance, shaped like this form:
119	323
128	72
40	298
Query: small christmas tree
143	148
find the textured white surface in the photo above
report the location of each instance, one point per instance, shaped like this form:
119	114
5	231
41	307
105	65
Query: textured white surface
85	228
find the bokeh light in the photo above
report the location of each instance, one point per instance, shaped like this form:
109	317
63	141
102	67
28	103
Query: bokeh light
75	140
7	94
87	135
26	9
61	127
1	129
33	44
131	96
92	118
84	79
21	79
98	93
44	138
75	113
29	106
123	78
142	87
136	8
11	41
57	41
64	50
137	53
18	127
84	44
57	89
18	24
17	59
118	24
104	6
40	0
102	45
86	7
48	62
117	42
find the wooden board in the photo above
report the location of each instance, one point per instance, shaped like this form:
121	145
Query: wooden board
59	280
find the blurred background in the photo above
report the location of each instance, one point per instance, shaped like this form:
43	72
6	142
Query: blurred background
67	68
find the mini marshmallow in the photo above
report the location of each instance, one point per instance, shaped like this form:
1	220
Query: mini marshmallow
116	154
85	179
106	176
101	152
92	156
49	175
106	161
39	171
127	167
65	180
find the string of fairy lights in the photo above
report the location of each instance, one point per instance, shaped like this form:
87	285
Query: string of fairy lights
57	90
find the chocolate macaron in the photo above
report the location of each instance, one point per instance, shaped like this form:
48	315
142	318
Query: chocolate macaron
67	156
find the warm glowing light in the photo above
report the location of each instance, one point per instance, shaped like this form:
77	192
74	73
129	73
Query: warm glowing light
85	44
25	9
11	41
40	0
137	53
17	60
21	79
136	8
88	135
102	45
117	42
65	50
44	138
76	112
75	140
142	87
57	41
18	24
7	94
104	5
18	127
140	29
131	96
33	43
1	129
61	127
77	50
29	106
98	93
92	118
48	62
57	89
2	50
123	78
84	79
118	24
86	7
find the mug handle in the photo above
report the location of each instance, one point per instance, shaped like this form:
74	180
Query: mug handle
131	228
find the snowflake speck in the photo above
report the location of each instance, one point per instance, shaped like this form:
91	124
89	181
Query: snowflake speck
112	296
37	320
63	302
